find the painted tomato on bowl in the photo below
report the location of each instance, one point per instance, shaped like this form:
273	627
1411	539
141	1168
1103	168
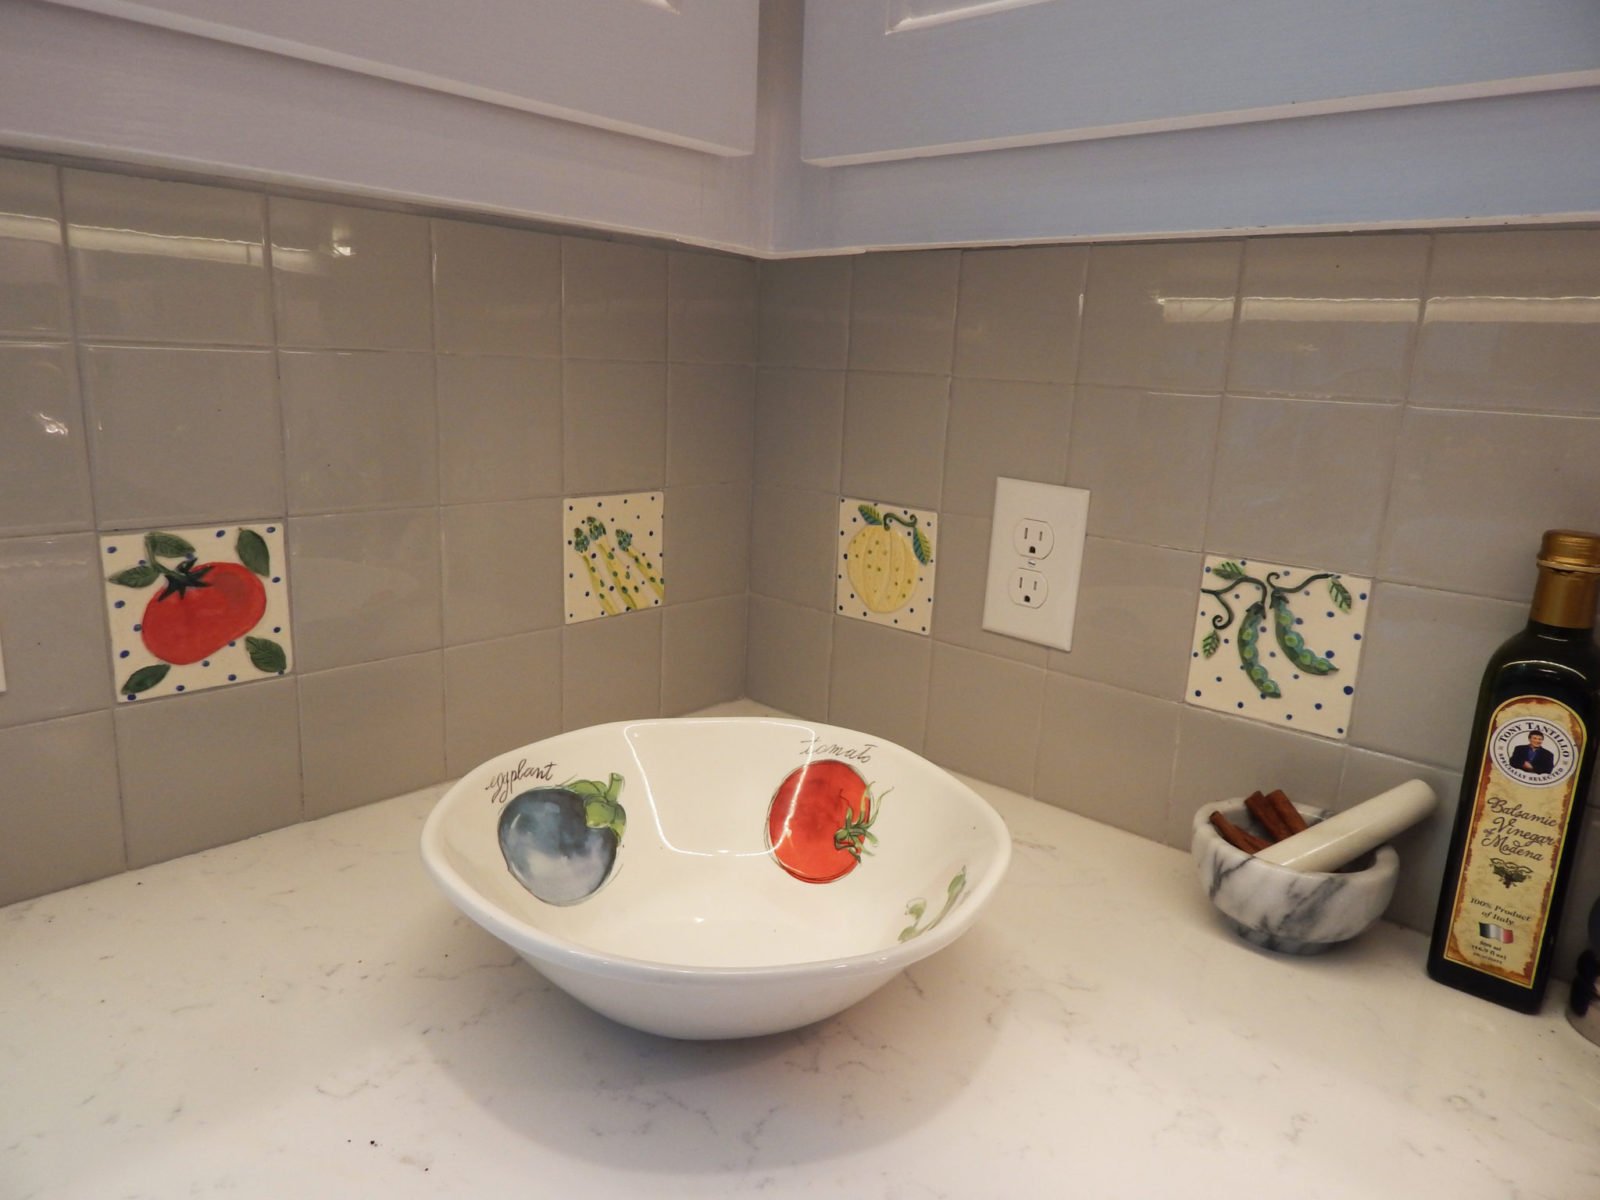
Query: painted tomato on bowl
819	825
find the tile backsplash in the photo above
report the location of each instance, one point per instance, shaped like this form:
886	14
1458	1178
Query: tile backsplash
404	401
414	397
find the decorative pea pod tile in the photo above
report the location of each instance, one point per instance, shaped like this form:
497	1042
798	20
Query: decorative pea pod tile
886	563
1278	644
192	609
614	554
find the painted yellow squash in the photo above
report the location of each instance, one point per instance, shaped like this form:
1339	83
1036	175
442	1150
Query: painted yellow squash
883	562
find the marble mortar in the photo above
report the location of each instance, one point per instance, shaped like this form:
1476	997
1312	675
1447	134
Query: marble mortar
1277	908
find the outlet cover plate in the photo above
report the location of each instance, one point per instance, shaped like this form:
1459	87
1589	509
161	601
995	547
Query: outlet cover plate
1064	514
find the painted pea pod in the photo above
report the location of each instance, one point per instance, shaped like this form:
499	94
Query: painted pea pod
1292	644
1250	651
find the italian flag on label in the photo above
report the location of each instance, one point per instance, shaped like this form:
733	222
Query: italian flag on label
1496	933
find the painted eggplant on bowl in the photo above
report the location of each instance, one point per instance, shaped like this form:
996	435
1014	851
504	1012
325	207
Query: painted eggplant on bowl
717	877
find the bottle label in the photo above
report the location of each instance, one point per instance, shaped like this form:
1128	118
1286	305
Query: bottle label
1527	784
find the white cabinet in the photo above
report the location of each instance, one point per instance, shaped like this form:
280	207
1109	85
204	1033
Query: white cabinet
906	78
676	71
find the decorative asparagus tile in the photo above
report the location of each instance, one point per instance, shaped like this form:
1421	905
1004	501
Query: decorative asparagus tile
192	609
614	554
886	564
1278	644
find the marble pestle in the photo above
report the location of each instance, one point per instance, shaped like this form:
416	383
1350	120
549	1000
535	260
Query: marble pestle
1346	836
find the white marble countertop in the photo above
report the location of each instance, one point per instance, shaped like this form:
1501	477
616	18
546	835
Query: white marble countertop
304	1015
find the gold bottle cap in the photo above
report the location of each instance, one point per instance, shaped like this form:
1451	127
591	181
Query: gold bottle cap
1570	550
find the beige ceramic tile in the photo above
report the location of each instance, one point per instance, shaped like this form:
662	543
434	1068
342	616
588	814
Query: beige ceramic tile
237	773
1107	754
788	659
364	586
1220	758
499	428
1018	430
182	436
710	422
614	558
878	684
151	656
1473	492
53	627
1426	652
894	437
350	278
794	537
1302	481
496	290
33	272
1512	321
499	695
1306	675
614	300
167	262
1019	311
711	308
1329	316
359	430
963	576
886	564
702	654
805	312
371	731
1135	615
1146	459
44	465
710	532
614	427
903	311
983	716
75	837
502	568
1158	314
611	670
799	427
1423	847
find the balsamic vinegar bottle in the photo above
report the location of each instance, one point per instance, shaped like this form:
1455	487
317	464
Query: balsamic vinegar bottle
1523	789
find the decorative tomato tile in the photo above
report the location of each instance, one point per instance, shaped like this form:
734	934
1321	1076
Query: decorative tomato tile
886	561
192	609
1278	644
614	554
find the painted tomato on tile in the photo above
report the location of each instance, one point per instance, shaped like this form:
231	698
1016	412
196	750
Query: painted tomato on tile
202	608
819	825
199	607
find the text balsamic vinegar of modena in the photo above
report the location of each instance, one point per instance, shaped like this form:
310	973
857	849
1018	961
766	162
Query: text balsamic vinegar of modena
1523	789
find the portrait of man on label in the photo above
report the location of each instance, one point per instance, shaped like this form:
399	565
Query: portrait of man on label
1532	756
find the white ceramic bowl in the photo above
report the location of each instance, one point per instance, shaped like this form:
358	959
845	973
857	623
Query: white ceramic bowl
1279	908
694	877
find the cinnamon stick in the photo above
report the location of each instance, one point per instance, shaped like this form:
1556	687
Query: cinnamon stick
1268	816
1287	812
1234	836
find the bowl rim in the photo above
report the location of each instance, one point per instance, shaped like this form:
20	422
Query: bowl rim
564	953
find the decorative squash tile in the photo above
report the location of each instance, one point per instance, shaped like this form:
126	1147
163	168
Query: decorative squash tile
886	564
192	609
614	554
1278	644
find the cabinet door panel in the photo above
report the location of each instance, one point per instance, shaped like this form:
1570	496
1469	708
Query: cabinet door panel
888	79
676	71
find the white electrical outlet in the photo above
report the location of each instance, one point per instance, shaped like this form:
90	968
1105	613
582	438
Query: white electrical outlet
1035	558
